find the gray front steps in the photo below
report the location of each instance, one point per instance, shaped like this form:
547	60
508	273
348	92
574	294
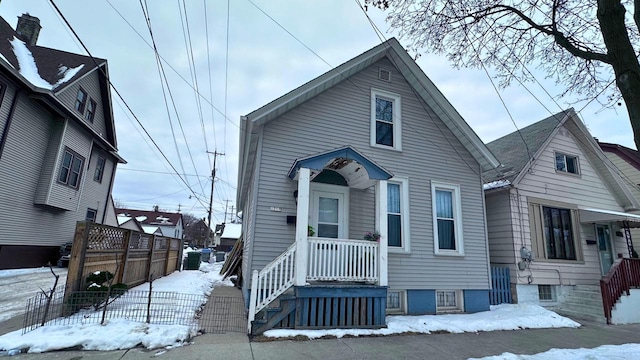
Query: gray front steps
583	302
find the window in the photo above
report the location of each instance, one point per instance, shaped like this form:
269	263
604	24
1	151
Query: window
398	214
91	110
448	300
447	219
555	230
81	100
91	215
385	120
97	175
70	168
395	301
558	233
567	163
545	293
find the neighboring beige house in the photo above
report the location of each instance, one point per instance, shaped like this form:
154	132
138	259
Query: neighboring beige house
555	213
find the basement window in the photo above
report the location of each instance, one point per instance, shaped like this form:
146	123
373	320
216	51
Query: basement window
545	293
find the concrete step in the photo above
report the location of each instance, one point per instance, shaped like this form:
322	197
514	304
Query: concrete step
577	315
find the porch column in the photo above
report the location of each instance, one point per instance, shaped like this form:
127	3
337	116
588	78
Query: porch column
302	224
382	222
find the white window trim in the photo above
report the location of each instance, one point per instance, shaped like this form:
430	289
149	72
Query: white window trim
459	302
457	212
404	206
566	172
397	123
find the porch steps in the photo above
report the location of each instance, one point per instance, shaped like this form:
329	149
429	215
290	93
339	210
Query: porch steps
583	302
280	316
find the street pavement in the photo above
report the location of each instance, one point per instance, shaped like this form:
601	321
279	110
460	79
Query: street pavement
434	346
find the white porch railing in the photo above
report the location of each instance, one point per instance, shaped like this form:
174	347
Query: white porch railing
271	282
343	260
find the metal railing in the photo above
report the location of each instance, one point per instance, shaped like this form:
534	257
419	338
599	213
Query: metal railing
622	276
222	314
266	285
343	260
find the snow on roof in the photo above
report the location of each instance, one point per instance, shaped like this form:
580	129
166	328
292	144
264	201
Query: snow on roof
29	69
232	231
123	219
496	184
150	229
141	218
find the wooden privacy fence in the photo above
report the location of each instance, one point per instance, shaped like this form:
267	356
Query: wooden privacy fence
500	292
132	257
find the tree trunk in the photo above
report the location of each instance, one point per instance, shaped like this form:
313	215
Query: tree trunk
622	58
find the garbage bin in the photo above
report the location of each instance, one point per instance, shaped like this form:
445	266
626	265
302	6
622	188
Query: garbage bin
219	256
193	260
206	254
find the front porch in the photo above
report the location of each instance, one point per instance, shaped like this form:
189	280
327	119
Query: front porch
337	281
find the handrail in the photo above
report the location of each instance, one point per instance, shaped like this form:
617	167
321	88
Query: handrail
622	276
266	285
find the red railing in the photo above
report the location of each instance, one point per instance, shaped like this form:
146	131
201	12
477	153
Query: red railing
622	276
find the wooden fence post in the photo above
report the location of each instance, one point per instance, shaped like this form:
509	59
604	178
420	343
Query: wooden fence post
127	240
77	256
152	245
166	255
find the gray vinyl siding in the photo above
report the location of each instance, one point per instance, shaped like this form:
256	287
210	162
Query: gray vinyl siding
430	152
500	228
90	83
94	194
31	211
543	184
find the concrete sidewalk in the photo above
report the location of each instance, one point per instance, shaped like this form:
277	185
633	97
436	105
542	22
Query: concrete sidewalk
434	346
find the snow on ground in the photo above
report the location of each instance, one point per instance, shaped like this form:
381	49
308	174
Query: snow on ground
621	352
120	333
501	317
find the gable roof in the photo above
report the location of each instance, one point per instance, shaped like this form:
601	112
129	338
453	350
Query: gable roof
629	155
516	149
46	72
151	217
516	160
251	124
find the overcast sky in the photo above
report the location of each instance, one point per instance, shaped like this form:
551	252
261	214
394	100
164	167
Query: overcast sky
264	62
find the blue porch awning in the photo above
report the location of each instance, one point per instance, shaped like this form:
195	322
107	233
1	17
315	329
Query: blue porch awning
359	171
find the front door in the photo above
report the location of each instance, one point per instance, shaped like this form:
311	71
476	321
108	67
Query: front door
604	247
329	211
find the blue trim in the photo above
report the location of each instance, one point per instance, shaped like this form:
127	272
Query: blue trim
421	302
476	301
318	162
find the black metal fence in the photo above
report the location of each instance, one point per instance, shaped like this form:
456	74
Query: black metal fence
218	315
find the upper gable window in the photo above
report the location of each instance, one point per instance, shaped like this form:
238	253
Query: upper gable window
81	100
385	120
91	110
567	163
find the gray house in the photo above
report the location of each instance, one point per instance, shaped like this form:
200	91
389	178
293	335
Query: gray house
369	148
558	216
58	151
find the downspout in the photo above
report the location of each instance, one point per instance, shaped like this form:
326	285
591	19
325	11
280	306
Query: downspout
5	132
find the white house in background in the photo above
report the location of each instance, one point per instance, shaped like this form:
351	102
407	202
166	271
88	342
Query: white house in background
371	146
556	213
227	239
170	224
127	222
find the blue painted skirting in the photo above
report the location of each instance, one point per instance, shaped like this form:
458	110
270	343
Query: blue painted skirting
423	302
319	307
476	301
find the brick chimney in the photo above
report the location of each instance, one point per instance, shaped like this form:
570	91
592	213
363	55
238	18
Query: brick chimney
28	28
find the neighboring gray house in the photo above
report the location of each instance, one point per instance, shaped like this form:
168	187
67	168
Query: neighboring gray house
561	200
371	145
58	151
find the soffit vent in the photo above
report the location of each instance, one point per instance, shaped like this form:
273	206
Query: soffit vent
384	75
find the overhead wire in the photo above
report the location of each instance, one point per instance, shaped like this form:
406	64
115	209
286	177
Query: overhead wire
163	76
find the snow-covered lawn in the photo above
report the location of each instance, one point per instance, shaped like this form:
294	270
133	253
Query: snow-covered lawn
120	333
622	352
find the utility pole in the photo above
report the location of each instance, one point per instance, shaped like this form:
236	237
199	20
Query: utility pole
213	179
233	215
226	207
